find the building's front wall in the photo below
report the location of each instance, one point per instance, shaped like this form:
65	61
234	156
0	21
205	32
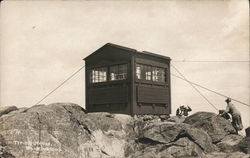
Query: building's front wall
151	86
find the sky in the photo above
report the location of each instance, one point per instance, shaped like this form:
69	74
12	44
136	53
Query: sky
44	42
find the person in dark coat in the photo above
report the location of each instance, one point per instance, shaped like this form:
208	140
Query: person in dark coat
224	115
183	110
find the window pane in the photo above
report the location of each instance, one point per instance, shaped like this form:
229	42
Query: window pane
118	72
138	71
158	74
143	72
98	75
147	72
113	72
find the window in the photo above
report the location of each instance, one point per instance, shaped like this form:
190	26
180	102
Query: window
98	75
146	72
158	74
143	72
118	72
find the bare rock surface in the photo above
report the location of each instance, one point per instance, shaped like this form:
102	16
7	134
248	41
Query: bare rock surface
167	132
226	155
61	130
243	145
183	147
228	143
7	109
177	119
65	130
216	126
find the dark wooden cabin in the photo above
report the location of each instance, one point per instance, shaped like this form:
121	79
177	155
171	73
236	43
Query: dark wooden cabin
124	80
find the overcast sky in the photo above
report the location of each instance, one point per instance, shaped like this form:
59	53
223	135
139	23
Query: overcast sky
42	43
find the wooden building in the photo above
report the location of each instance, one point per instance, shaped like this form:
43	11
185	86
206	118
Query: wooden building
124	80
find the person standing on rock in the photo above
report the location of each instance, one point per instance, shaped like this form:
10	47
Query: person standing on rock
235	113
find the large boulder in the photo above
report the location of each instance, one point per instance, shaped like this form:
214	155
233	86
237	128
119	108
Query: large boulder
61	130
153	134
216	126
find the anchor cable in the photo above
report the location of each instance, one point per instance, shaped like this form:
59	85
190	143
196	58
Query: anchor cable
195	88
67	79
198	85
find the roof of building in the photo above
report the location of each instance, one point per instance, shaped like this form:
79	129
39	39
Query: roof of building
131	50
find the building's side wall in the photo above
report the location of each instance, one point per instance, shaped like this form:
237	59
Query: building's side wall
109	96
152	97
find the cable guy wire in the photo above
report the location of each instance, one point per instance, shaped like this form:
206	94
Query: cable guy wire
210	90
60	85
195	87
208	61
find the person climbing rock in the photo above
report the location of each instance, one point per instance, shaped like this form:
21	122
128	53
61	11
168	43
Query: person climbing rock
235	113
183	110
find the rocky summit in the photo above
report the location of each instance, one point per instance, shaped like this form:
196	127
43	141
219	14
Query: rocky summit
65	130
